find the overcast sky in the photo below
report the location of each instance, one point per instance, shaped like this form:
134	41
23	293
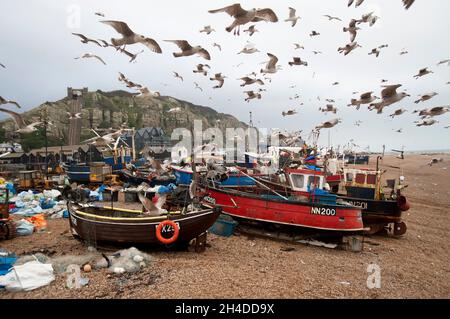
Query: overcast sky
38	49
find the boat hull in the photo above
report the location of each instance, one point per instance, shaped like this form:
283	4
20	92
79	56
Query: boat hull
184	177
376	214
91	226
137	180
286	212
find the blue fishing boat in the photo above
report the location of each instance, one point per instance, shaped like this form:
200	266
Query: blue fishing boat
234	179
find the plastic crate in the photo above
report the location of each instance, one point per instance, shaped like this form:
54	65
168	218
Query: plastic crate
6	263
223	227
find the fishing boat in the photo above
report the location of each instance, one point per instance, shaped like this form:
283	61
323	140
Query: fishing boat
125	226
140	177
381	209
311	208
233	178
362	189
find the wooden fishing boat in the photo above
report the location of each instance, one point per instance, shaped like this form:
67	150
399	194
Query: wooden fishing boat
123	226
320	212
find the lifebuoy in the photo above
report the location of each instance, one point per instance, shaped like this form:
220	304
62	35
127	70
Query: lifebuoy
176	232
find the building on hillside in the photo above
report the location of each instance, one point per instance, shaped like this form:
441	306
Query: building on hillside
152	139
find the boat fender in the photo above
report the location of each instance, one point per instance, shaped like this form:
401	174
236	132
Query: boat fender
403	203
161	226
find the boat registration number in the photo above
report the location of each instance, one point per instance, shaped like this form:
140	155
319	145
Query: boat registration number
362	205
323	211
168	228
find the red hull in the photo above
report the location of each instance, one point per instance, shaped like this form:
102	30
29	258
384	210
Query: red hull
294	213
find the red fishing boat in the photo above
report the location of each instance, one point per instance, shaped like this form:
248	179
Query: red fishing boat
311	208
363	189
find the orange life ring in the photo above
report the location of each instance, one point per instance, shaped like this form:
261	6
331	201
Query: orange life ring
176	232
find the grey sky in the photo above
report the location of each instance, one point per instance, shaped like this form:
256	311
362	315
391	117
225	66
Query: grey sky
38	50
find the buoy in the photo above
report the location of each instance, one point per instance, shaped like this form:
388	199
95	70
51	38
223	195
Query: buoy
176	232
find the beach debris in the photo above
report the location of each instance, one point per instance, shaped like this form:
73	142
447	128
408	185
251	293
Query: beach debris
346	283
128	260
87	268
435	161
29	276
317	243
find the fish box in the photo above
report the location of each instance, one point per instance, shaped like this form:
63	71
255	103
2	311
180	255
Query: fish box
6	263
128	197
223	227
108	196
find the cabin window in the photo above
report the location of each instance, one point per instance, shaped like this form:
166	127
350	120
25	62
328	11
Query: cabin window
349	177
360	178
371	179
297	180
313	181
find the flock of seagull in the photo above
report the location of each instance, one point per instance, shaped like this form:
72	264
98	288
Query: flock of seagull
241	17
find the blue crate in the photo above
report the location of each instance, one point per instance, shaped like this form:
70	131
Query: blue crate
6	263
223	227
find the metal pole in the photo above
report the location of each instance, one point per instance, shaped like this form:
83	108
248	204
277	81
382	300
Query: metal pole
268	188
133	145
46	146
